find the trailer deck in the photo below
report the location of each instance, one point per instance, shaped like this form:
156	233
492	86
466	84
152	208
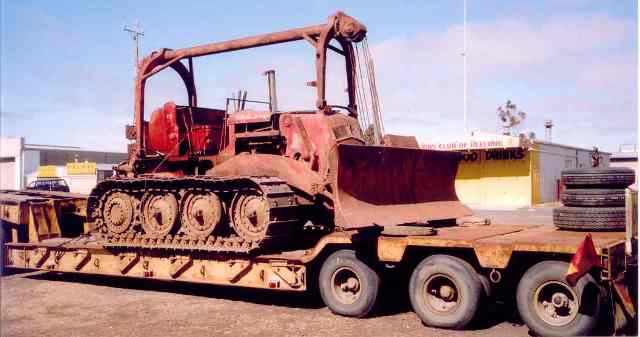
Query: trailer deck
47	232
493	246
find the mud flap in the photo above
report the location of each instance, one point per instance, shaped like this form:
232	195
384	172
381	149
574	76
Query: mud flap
379	185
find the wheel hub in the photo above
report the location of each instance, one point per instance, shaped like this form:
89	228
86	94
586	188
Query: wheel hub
118	212
447	293
441	294
352	284
560	300
159	212
201	214
346	285
251	216
556	303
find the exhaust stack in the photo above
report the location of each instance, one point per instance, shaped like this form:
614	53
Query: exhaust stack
273	99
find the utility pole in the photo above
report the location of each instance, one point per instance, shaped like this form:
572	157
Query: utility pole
464	65
135	32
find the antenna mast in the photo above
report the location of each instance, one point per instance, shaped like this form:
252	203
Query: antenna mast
136	32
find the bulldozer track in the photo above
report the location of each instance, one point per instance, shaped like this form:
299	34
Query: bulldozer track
281	213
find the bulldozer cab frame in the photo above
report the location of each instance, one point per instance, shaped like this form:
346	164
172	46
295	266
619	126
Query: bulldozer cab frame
340	27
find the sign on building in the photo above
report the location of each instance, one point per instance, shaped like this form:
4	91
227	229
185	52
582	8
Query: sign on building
47	171
81	169
479	141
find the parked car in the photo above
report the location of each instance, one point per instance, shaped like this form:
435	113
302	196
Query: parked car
55	184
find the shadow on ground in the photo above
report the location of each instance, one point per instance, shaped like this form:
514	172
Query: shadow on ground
393	298
257	296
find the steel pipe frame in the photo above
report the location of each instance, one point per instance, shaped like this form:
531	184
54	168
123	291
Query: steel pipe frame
340	27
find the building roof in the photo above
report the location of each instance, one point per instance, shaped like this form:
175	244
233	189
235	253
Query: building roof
539	141
624	156
51	147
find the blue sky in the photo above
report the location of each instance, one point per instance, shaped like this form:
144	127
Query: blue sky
66	66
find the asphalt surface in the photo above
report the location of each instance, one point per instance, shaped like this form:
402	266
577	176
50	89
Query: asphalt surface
51	304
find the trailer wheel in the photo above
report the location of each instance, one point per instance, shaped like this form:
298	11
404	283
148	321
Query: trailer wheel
445	292
347	285
551	307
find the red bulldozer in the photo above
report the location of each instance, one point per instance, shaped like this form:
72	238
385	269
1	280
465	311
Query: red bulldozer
218	180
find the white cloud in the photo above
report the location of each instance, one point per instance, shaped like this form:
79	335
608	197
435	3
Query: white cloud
568	69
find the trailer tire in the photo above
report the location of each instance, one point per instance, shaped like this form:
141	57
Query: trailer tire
593	197
348	286
590	218
565	310
445	292
618	177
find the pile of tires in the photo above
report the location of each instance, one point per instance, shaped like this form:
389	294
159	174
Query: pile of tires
594	199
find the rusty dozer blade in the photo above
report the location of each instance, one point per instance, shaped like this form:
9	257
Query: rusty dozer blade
379	185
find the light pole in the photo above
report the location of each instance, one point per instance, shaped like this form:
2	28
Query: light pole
464	65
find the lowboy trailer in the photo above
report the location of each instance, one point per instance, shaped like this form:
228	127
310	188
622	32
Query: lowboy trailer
454	269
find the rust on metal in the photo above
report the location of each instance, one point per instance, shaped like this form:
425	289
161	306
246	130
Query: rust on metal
390	186
400	141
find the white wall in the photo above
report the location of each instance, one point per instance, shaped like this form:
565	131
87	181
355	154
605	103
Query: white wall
81	184
31	161
11	151
554	158
7	174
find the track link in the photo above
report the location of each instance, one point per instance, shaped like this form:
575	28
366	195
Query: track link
279	196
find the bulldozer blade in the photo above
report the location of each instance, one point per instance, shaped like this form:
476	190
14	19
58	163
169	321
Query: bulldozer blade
380	185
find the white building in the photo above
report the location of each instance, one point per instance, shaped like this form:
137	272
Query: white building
21	163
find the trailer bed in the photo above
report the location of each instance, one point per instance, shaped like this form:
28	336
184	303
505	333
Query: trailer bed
493	245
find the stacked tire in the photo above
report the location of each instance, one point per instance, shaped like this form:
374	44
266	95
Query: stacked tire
594	199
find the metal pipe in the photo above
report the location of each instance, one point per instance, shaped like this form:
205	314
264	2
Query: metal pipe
246	43
273	98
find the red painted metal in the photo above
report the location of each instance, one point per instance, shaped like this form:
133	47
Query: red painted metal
179	130
164	134
388	186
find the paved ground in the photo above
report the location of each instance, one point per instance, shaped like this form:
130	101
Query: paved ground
66	305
